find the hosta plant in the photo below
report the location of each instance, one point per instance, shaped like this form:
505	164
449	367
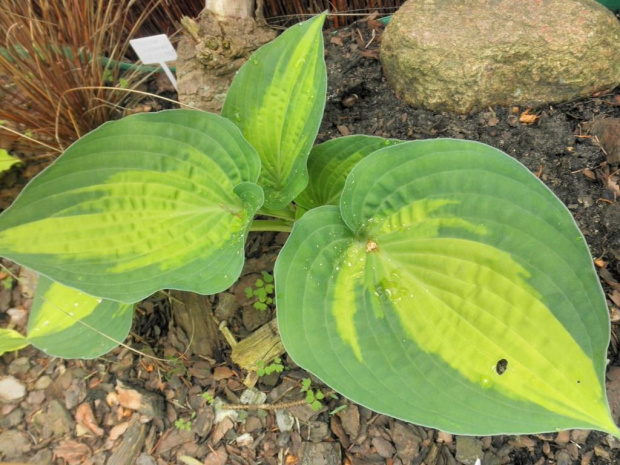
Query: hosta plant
436	281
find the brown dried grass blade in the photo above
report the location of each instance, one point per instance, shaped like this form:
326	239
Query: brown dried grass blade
51	50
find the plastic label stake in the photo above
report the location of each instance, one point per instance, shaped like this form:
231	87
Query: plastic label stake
156	50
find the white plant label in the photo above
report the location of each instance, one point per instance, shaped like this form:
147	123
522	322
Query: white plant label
156	50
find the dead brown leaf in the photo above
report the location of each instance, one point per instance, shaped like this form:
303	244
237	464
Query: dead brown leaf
72	452
610	179
607	132
528	118
375	25
130	399
336	41
608	278
589	174
118	430
85	417
493	121
600	263
539	172
371	54
115	433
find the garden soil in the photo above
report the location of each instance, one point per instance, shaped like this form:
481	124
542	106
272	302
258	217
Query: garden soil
128	407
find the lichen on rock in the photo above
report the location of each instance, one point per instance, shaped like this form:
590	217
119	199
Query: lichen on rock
464	56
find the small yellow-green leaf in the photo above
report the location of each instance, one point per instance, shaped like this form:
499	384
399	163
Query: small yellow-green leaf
11	340
6	161
67	323
277	100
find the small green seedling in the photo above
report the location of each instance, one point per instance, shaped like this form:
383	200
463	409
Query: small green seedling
437	281
185	424
263	290
313	397
208	397
274	367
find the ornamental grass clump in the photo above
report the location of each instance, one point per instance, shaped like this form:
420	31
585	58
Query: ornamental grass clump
55	58
436	281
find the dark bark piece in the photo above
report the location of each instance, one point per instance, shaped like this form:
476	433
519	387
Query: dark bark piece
142	401
132	443
607	131
193	313
350	419
321	453
406	441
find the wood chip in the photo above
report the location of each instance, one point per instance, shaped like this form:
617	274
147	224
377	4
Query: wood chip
589	174
446	438
132	444
563	437
222	372
72	452
336	41
343	130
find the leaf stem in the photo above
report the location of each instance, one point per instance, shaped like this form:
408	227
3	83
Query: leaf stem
284	214
271	225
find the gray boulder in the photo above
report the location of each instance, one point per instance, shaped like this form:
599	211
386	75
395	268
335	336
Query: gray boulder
462	56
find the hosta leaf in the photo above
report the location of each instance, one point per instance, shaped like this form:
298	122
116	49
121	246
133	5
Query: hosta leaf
330	163
7	161
277	100
152	201
452	289
11	340
67	323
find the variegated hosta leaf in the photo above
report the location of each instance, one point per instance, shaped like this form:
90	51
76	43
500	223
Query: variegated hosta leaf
277	100
11	340
450	289
152	201
330	163
67	323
